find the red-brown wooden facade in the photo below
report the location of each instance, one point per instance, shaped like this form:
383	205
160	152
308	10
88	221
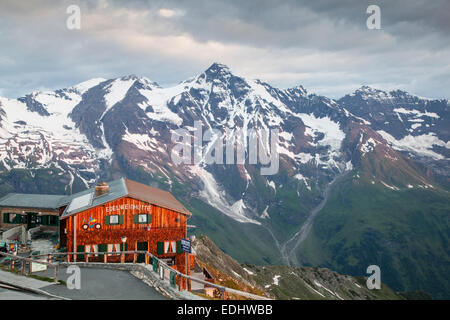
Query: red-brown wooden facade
166	225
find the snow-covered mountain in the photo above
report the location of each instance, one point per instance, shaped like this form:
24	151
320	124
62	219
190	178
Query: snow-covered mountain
413	124
86	128
391	143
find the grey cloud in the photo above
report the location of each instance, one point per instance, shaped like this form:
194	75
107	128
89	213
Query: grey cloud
322	44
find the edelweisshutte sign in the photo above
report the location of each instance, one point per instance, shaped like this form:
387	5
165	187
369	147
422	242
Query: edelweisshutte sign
139	207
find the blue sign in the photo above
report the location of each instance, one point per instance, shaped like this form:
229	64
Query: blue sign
186	245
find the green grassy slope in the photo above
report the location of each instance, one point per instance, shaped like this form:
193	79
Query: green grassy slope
245	242
405	232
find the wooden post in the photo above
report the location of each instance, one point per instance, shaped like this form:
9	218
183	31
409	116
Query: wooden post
49	258
75	237
55	280
122	258
23	267
134	257
222	293
146	259
105	258
86	257
31	266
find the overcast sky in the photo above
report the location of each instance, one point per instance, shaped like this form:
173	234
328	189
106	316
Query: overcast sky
323	45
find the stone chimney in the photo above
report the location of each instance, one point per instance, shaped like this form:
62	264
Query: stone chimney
101	189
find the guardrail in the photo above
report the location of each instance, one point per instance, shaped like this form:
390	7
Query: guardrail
24	260
156	268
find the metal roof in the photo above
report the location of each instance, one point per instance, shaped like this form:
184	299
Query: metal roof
153	195
126	188
31	201
117	189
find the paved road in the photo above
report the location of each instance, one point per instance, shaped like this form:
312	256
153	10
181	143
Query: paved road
103	284
9	293
303	233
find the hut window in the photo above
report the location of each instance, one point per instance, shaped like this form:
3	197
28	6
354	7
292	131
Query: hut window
12	218
114	220
113	248
170	246
142	218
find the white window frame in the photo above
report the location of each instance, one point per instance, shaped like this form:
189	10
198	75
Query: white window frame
173	245
115	217
143	215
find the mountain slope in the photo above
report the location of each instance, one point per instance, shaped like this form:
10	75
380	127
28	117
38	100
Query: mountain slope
394	143
282	282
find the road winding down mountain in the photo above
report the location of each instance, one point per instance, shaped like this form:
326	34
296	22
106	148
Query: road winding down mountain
290	258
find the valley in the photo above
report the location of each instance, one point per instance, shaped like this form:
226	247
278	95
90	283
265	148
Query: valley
362	180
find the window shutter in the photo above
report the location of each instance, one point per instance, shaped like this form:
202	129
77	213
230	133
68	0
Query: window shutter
102	248
135	218
155	265
179	247
149	218
18	219
160	248
45	221
54	220
80	248
107	221
6	218
121	219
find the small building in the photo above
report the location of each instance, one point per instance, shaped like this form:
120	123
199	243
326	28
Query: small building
30	210
125	215
122	215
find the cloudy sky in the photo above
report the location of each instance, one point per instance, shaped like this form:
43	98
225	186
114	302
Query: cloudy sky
323	45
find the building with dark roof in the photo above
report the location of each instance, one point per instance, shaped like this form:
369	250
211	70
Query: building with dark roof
30	210
122	215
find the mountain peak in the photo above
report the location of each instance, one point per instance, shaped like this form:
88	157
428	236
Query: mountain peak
366	88
218	70
219	66
369	93
130	77
299	89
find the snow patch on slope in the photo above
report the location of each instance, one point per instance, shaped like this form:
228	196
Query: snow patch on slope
86	85
421	144
158	99
212	194
417	113
117	91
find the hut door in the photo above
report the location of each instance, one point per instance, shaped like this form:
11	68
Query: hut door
31	220
141	246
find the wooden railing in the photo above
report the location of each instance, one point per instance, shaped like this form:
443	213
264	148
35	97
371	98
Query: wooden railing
148	256
30	261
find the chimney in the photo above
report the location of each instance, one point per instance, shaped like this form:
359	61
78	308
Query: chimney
101	189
